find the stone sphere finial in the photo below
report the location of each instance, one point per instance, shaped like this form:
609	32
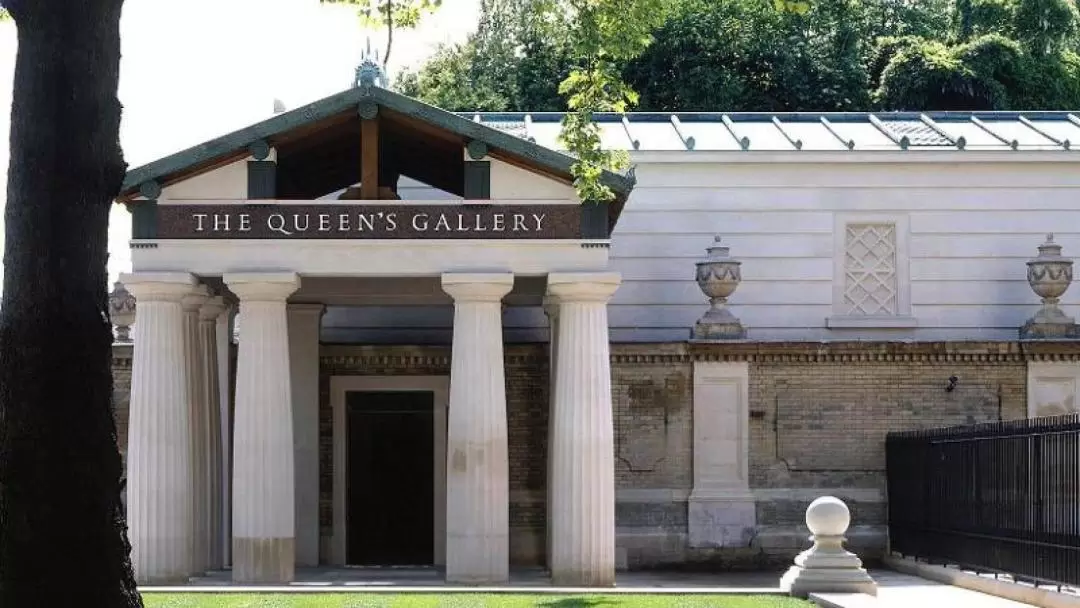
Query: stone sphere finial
828	516
827	567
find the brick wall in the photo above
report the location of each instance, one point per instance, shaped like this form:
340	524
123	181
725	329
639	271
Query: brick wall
818	417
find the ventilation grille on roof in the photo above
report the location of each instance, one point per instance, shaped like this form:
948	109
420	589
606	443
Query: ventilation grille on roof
918	133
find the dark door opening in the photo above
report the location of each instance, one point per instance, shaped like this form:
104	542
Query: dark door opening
390	495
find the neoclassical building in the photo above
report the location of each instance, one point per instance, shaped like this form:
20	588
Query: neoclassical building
368	332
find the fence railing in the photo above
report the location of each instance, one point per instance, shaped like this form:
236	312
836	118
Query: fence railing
1000	497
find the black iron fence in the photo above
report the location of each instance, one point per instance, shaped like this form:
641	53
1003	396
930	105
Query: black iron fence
1000	497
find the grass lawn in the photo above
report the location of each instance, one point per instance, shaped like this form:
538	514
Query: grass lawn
461	600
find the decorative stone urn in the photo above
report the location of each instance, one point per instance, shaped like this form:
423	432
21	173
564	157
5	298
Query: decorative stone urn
1050	276
122	311
718	276
827	567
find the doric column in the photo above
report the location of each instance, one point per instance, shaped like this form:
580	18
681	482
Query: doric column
477	476
208	437
582	440
264	511
304	321
551	309
225	399
159	432
196	371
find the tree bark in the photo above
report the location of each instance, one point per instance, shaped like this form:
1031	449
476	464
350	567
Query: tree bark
63	539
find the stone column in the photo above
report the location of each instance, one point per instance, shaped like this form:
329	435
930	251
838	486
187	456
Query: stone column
159	432
582	440
551	309
304	320
477	476
208	436
225	398
263	500
200	537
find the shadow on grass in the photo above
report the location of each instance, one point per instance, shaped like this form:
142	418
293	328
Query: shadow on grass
578	602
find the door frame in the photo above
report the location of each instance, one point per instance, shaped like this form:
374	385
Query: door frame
439	386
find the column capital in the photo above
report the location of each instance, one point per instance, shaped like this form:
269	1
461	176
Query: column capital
193	300
478	286
583	286
158	286
212	308
263	286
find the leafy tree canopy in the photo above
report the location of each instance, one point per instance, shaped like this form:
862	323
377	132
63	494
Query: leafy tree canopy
772	55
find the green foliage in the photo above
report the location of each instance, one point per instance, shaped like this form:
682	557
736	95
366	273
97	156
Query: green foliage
505	65
757	55
771	60
4	15
600	37
993	17
391	14
1046	27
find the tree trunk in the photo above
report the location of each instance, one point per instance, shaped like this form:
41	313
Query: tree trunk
63	539
389	38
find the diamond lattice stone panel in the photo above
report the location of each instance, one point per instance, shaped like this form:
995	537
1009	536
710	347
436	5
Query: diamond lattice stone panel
870	270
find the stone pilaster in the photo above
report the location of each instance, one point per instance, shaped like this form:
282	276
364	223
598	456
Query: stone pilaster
207	432
196	372
263	498
582	440
159	432
721	510
551	309
477	477
304	321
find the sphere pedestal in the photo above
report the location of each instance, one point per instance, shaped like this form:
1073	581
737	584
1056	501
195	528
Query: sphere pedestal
827	567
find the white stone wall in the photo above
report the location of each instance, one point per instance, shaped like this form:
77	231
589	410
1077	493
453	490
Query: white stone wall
962	232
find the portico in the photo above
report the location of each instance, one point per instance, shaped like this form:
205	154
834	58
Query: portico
300	214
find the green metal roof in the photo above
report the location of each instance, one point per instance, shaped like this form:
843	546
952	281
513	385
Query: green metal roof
808	131
258	135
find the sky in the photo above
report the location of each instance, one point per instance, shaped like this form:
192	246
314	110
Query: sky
192	70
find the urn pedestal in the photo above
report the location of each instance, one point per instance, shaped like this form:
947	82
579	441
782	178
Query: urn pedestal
1049	276
718	276
122	312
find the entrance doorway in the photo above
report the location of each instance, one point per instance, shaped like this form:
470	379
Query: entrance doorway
390	495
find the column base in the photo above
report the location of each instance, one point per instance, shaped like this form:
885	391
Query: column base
264	560
602	577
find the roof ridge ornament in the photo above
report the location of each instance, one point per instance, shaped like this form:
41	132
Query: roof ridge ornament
370	73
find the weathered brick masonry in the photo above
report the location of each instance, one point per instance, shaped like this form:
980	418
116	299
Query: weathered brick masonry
818	415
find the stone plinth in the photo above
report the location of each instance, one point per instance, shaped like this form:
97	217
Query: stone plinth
827	567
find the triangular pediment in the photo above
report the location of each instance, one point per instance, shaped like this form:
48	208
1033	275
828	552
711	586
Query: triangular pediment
318	148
